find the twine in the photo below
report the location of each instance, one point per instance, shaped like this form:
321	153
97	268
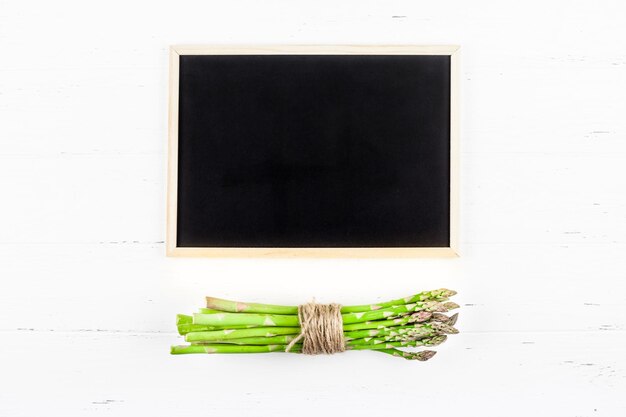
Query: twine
321	329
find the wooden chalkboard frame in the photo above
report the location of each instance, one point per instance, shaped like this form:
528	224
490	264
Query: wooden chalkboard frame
171	241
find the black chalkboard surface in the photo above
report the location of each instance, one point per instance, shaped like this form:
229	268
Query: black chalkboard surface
313	151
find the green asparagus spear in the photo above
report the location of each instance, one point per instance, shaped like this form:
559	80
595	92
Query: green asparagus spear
435	295
397	311
416	331
357	344
259	340
241	307
418	317
380	344
178	350
419	356
230	319
239	333
224	348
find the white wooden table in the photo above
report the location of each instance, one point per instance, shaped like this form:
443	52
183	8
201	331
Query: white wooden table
87	298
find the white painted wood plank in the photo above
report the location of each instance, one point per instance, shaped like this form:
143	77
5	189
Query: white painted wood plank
80	110
85	374
126	286
83	198
83	95
506	198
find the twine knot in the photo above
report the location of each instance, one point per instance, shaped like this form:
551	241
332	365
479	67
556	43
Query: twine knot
321	329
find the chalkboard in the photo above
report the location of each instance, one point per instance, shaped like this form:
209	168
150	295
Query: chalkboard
296	151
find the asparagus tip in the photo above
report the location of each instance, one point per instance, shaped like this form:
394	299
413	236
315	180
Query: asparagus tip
446	292
420	316
422	356
444	328
451	305
442	318
425	355
437	340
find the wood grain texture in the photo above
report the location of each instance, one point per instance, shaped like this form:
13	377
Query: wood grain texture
87	297
121	374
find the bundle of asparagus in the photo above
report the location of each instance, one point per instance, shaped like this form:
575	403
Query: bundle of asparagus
226	326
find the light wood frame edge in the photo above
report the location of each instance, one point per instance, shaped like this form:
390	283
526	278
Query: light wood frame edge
172	159
217	252
455	151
